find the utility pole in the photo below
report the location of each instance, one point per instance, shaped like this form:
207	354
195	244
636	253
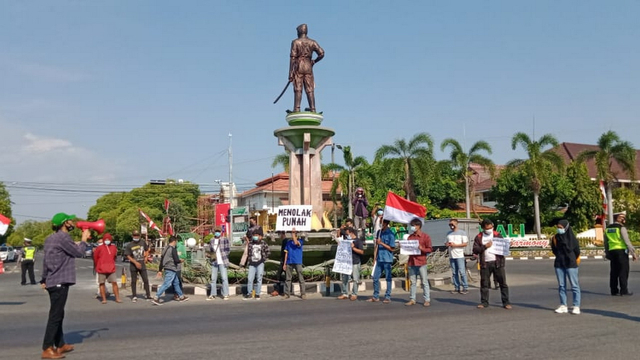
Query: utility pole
230	190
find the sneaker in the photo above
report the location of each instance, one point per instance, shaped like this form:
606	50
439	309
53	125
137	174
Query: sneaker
482	306
175	297
183	298
426	304
286	296
156	301
211	297
386	301
373	300
134	299
562	309
575	310
226	297
455	291
342	297
410	303
248	297
353	297
464	292
148	298
508	307
257	297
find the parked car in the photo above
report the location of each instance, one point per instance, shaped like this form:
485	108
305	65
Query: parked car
7	253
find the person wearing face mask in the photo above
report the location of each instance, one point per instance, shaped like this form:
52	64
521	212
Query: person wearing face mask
219	250
357	250
385	244
136	251
104	258
169	262
360	212
490	264
258	253
58	274
293	261
377	222
566	249
418	263
457	240
618	247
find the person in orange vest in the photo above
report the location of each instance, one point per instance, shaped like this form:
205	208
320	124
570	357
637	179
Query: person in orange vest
104	257
28	259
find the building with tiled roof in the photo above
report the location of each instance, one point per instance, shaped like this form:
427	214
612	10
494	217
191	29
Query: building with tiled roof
570	152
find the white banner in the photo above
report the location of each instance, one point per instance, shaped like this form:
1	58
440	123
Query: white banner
500	247
294	217
343	263
409	247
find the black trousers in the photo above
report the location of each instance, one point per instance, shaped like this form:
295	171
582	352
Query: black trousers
54	336
619	273
134	279
27	265
500	276
279	285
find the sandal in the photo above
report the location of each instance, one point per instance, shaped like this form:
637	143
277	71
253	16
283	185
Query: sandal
373	300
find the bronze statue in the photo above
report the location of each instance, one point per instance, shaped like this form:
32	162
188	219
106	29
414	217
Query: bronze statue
301	68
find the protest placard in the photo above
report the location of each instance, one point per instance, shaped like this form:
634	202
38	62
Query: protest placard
343	263
500	247
294	216
409	247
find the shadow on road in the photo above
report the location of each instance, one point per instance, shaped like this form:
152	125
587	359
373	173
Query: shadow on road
458	302
77	337
593	293
532	306
12	302
611	314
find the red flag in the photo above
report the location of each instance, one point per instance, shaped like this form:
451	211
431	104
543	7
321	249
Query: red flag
4	224
151	223
166	205
166	226
401	210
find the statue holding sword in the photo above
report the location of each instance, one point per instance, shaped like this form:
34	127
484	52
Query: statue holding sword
301	68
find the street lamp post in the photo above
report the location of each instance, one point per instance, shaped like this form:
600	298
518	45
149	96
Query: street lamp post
333	175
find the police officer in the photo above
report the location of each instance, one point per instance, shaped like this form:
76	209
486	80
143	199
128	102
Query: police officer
28	258
617	249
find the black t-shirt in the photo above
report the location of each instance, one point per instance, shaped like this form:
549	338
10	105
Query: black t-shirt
357	258
136	249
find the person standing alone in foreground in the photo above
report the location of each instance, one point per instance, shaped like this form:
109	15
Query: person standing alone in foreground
490	263
58	274
566	249
617	249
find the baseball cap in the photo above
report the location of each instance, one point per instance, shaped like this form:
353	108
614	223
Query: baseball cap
60	218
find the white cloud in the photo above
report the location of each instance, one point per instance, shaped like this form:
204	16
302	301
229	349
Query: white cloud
36	144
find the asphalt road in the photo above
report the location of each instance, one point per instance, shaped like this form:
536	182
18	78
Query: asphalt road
325	328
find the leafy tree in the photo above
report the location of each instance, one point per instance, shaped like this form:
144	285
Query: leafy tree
408	153
627	199
37	231
282	159
5	209
346	179
537	167
611	149
585	201
439	187
459	159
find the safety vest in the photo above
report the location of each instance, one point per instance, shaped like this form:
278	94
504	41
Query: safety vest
29	252
614	237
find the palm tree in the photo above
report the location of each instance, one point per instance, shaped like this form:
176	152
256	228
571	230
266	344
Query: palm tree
347	173
611	149
461	160
420	145
537	166
281	159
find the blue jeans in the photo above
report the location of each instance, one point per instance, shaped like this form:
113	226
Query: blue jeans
572	274
170	279
255	271
377	272
459	274
214	279
414	272
355	275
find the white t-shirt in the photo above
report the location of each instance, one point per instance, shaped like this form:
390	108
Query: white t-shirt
457	237
488	256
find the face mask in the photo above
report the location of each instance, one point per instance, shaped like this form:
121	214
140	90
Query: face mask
136	240
216	234
349	237
70	227
488	231
452	227
255	238
561	231
380	212
107	242
412	229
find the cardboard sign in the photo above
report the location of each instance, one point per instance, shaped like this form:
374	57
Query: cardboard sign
409	247
500	247
343	263
294	216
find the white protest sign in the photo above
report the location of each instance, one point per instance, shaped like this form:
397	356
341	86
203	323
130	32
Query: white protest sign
500	247
409	247
294	216
343	263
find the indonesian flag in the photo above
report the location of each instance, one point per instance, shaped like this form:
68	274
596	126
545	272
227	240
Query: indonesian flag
401	210
166	226
166	205
4	224
151	223
604	196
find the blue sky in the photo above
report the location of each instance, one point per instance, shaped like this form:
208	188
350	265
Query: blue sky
106	95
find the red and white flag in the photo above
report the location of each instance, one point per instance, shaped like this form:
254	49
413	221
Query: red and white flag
604	197
401	210
4	224
166	205
167	227
151	223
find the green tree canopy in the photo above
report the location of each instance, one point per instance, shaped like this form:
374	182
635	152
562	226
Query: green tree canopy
585	201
